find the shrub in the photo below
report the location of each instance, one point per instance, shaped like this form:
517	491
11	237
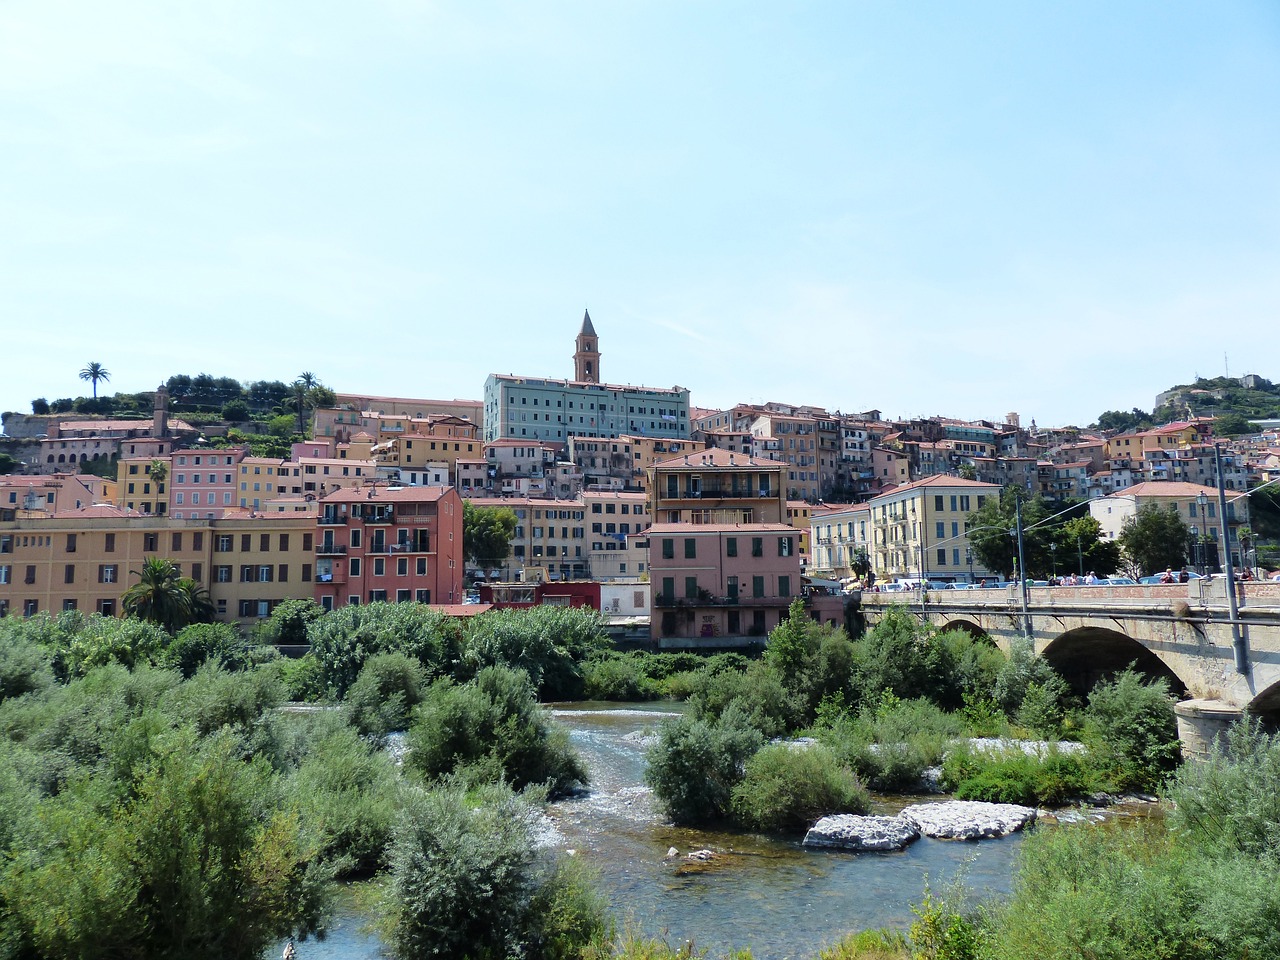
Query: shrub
547	642
346	793
201	642
697	762
1230	803
1043	708
758	692
890	744
1132	731
1022	669
786	786
344	639
1108	891
289	622
1014	776
904	657
389	686
215	698
869	945
303	679
203	860
493	721
24	666
466	881
616	678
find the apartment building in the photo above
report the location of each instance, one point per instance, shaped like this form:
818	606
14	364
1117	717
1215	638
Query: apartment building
258	562
838	534
52	493
623	462
918	529
552	411
136	489
202	483
389	543
1196	504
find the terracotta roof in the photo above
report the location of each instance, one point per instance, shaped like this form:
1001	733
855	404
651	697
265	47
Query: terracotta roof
943	481
690	529
715	457
462	609
99	510
386	494
1169	488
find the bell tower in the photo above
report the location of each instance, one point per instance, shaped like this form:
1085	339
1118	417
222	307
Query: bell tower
586	361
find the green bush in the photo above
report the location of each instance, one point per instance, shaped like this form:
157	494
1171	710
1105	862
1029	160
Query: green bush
1229	804
1014	776
1018	673
344	639
346	792
547	642
203	860
201	642
788	786
389	686
1043	707
696	764
466	881
1108	891
303	679
288	623
493	721
1132	732
618	679
890	744
215	698
758	692
25	667
909	659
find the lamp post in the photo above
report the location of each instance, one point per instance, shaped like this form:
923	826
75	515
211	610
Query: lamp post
968	558
1195	549
1022	570
1080	555
1202	501
1053	557
1238	643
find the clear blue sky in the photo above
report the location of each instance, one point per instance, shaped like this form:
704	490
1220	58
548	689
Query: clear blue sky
959	208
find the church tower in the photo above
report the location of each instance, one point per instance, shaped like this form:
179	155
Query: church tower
160	421
586	362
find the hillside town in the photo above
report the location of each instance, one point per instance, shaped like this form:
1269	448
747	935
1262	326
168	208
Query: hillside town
686	526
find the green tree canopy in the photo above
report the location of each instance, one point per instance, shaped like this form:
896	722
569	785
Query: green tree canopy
1155	538
94	372
1049	542
164	597
487	533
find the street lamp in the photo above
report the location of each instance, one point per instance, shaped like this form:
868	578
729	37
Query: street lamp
968	558
1195	549
1202	501
1053	555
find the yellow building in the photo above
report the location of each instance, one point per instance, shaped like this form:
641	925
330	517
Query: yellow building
918	529
137	489
257	562
838	534
798	515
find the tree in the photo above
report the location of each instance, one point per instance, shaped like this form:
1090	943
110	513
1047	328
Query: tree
236	410
94	372
1232	425
166	598
1122	422
487	533
159	472
1080	540
1155	538
39	406
7	463
860	563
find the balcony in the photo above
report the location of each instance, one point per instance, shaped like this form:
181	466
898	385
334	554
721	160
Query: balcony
378	516
335	577
664	602
331	549
331	519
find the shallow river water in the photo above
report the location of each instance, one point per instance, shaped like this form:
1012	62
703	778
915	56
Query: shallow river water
761	892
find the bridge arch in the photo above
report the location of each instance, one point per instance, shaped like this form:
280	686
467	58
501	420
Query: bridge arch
1087	656
974	630
1266	707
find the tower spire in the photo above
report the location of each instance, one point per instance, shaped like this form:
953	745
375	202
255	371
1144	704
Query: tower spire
586	360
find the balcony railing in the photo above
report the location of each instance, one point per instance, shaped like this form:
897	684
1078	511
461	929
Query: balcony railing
332	519
664	602
378	517
331	549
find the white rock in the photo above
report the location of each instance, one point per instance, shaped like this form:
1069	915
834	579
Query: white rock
672	852
968	819
702	855
847	831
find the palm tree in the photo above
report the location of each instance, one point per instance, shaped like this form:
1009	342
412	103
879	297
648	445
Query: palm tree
300	399
160	595
308	379
159	471
94	371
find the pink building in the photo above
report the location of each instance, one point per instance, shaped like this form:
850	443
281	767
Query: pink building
203	483
716	584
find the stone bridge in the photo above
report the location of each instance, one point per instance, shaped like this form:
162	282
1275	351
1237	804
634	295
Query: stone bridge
1181	632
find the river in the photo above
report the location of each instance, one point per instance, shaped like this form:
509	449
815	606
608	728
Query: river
762	892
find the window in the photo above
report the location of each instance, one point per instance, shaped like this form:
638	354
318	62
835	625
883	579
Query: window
71	543
940	529
757	546
105	607
68	605
379	566
669	588
690	548
6	573
284	542
355	566
107	572
937	502
691	588
223	543
264	543
784	586
222	573
246	573
283	573
942	556
110	545
246	542
69	574
668	548
422	596
402	566
757	586
785	546
30	608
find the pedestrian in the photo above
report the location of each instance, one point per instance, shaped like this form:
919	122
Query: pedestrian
1167	576
289	952
1183	576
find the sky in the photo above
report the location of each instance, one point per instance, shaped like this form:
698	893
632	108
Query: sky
920	207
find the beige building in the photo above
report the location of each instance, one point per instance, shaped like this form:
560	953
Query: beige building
837	535
918	529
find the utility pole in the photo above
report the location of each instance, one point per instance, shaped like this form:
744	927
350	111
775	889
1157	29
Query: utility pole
1022	570
1238	643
